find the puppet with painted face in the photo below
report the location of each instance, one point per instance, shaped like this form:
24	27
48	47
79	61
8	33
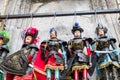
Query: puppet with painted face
17	64
81	55
29	38
108	55
4	39
54	54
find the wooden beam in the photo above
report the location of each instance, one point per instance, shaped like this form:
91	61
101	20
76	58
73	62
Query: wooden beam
59	14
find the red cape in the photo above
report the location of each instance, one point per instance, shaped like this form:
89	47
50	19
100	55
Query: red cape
40	65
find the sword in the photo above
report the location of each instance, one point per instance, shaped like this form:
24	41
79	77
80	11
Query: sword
103	52
1	71
36	69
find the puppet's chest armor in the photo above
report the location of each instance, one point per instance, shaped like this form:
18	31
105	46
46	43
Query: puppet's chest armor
78	44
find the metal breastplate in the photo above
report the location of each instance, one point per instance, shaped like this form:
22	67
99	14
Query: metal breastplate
26	52
53	45
78	44
103	43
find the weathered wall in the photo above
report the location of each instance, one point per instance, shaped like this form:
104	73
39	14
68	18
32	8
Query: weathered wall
62	24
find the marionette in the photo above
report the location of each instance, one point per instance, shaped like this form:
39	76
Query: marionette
18	63
81	54
54	54
107	53
4	39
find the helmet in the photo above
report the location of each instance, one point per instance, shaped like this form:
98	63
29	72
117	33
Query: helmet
30	31
53	33
100	26
5	36
76	26
52	30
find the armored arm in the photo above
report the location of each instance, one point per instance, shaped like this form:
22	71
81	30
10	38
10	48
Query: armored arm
5	50
64	53
43	50
88	46
116	52
112	43
33	48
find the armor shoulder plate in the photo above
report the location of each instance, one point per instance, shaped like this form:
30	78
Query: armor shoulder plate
33	46
90	40
44	42
70	43
5	48
64	43
113	39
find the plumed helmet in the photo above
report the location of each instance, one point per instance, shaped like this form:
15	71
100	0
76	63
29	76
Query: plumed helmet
5	36
52	30
30	32
76	26
100	26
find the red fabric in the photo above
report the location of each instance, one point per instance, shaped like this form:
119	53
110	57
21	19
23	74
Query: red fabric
9	76
76	75
24	77
41	65
30	58
88	51
85	73
52	60
30	31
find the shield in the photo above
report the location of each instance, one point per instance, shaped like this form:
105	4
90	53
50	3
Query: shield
16	63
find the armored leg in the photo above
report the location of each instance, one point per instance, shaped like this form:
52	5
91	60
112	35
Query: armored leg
114	73
57	73
48	71
84	74
76	75
105	74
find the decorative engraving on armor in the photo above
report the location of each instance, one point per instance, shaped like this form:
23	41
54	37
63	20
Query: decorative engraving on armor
53	45
78	44
102	43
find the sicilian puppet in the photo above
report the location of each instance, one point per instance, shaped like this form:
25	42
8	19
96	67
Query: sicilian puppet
54	55
4	39
18	64
107	54
80	52
39	66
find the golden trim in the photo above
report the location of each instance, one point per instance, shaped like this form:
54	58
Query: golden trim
79	67
107	64
54	67
34	76
40	71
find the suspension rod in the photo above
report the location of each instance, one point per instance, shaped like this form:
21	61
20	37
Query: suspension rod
58	14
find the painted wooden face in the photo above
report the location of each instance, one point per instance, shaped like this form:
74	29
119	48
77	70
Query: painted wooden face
77	33
101	32
53	35
28	39
1	42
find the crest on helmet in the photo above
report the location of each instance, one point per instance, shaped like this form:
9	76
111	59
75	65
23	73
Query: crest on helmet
76	26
